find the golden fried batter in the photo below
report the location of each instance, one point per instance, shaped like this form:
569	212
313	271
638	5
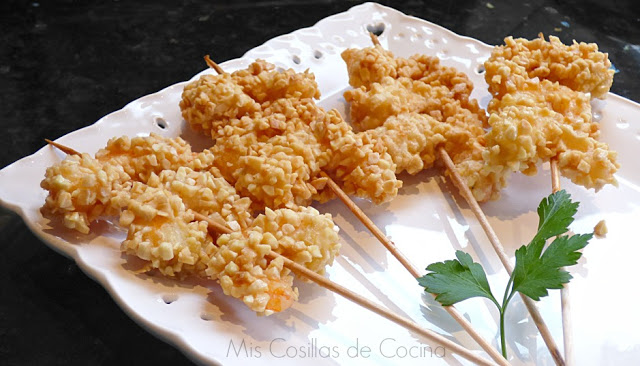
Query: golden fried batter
369	65
277	173
208	194
411	139
245	99
275	151
580	67
362	165
162	232
540	118
393	95
140	156
265	286
81	188
372	64
370	107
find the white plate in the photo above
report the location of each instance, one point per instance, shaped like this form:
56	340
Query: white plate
427	221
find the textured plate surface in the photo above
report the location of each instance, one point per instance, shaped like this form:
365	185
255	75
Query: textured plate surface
427	221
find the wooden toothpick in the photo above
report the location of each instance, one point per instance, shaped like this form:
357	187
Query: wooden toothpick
565	304
64	149
213	65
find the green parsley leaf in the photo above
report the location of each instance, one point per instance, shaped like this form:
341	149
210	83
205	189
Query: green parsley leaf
536	271
534	274
555	215
456	280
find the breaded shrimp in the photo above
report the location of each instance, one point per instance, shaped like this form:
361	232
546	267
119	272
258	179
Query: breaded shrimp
540	110
206	193
140	156
264	285
161	231
276	151
82	189
580	66
393	94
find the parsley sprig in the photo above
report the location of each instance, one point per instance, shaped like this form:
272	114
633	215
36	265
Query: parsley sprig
537	269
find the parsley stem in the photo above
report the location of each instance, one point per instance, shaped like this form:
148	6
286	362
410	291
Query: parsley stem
503	310
508	294
503	343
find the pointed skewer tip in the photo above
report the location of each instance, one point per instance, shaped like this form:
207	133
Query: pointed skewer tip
65	149
213	65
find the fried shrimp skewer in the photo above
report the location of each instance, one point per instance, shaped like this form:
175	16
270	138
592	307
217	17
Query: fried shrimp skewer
416	107
368	66
242	139
158	212
541	109
580	66
237	261
265	121
82	187
276	294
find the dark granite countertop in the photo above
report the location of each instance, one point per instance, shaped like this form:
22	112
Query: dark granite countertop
65	64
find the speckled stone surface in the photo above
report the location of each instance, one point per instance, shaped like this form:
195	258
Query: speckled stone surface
65	64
